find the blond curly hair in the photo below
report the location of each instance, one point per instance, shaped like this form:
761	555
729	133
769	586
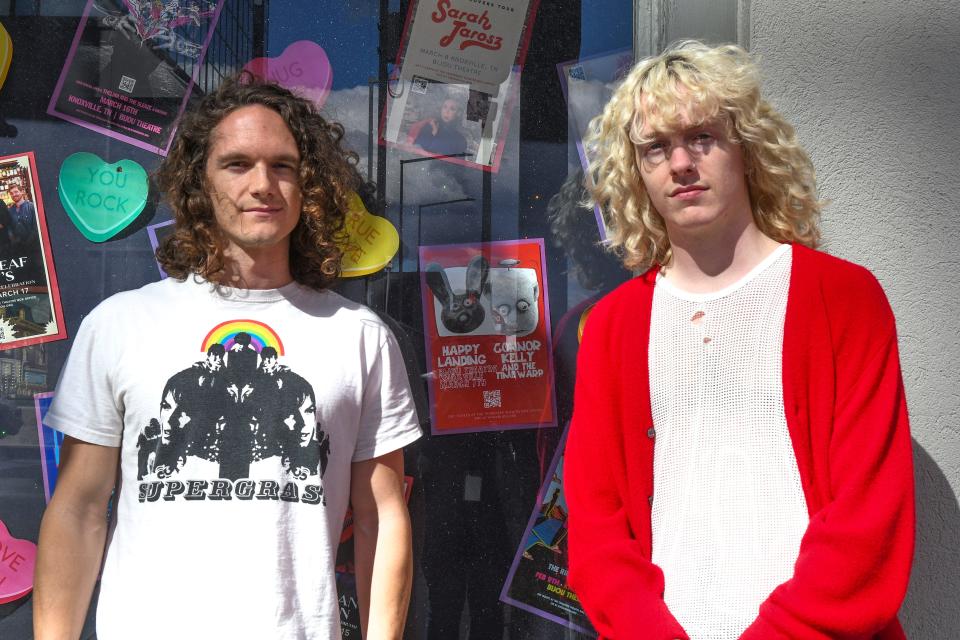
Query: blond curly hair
688	84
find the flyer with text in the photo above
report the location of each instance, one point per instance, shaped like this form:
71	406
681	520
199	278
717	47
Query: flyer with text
537	581
457	79
30	310
487	331
132	66
473	42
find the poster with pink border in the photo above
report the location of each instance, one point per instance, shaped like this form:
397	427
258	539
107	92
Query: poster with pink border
486	323
30	310
132	66
537	581
457	78
587	86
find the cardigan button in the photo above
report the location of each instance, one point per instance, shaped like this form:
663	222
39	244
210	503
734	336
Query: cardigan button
651	432
650	500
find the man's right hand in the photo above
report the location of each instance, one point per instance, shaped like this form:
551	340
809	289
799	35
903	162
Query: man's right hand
72	537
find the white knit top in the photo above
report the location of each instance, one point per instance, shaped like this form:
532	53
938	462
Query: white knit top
728	507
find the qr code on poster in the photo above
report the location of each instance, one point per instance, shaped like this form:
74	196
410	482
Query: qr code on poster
126	83
576	73
491	399
419	85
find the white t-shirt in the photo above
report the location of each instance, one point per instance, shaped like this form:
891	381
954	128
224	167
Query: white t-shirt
238	414
728	507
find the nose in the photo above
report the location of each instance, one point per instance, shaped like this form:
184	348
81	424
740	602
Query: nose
261	180
681	160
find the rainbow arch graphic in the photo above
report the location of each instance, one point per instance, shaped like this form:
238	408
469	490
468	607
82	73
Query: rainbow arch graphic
260	334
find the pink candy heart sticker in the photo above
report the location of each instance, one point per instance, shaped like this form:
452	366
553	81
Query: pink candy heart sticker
303	67
17	559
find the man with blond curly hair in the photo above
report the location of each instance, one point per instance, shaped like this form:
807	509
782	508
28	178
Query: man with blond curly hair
739	463
237	441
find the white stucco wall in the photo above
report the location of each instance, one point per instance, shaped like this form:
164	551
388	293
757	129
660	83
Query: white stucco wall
874	90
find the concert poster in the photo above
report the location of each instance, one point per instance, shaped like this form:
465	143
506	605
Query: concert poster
487	332
30	311
132	66
587	85
348	604
537	581
457	78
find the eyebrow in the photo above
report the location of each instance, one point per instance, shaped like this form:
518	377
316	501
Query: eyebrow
239	155
653	136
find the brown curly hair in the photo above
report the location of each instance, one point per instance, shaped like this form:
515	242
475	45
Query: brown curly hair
327	178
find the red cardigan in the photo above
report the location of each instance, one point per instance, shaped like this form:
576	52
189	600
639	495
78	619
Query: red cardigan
847	417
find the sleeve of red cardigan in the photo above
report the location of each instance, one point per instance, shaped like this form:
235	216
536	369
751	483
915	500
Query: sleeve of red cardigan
854	562
620	589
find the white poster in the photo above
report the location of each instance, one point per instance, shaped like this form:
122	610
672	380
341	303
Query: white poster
471	42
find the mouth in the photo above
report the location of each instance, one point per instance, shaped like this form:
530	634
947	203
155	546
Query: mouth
263	210
688	192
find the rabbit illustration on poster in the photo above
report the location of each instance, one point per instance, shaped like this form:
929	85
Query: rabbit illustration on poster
481	300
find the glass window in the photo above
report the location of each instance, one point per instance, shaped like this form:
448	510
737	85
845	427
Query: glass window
471	150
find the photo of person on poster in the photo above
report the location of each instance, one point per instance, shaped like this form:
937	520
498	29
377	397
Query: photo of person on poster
429	117
440	134
739	463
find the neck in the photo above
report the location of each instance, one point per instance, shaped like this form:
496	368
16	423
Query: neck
710	262
256	268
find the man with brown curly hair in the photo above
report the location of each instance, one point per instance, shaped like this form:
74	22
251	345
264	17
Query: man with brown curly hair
738	465
272	403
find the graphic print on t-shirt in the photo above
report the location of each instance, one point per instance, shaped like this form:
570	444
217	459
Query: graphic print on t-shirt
236	406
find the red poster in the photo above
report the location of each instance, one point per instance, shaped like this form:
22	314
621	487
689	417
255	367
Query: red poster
30	311
487	330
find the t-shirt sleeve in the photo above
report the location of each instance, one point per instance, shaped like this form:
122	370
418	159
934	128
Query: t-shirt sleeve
388	418
85	404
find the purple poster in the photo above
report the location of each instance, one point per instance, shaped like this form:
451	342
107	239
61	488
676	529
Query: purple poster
131	67
537	581
587	85
158	233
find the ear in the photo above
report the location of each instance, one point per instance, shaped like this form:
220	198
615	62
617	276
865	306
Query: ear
477	272
437	280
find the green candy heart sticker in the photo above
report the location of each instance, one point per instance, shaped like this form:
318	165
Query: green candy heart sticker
102	199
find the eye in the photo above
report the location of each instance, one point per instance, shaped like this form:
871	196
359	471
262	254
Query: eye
701	140
523	306
655	152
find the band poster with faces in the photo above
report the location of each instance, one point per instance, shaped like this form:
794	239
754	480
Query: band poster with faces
132	66
457	78
587	86
487	332
537	581
30	311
